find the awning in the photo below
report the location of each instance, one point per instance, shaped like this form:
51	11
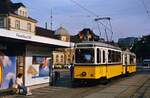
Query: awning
33	38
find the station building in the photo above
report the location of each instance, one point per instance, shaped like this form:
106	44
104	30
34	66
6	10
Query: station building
22	50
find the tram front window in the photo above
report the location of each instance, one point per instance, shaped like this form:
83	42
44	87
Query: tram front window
84	55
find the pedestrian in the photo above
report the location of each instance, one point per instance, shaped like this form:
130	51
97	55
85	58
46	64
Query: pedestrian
19	82
57	76
71	70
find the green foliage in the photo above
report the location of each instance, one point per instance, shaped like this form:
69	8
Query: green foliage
142	47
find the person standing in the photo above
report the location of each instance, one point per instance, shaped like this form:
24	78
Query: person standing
71	70
57	76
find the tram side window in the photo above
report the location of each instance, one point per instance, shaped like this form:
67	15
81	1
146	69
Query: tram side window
118	56
132	59
114	56
104	56
109	56
98	56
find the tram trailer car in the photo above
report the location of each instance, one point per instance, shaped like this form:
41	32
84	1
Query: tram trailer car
96	60
128	62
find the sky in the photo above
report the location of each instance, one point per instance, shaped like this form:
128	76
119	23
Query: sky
128	17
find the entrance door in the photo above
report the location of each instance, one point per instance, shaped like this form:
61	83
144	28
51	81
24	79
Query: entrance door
20	65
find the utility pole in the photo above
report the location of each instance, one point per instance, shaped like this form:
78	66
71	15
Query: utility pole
51	20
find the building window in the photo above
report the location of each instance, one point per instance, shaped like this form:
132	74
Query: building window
25	13
29	27
1	22
9	23
57	58
17	24
62	58
63	38
132	59
22	13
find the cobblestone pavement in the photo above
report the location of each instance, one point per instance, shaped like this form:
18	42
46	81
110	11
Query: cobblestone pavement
135	86
123	89
144	91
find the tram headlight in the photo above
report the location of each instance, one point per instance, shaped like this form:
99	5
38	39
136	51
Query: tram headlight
83	74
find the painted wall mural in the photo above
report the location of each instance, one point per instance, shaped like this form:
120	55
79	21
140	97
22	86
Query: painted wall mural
7	69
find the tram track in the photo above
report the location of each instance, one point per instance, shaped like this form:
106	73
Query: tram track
97	88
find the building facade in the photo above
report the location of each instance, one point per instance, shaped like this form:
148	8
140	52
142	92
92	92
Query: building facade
14	17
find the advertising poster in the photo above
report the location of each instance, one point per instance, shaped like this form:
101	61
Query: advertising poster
37	65
39	68
7	69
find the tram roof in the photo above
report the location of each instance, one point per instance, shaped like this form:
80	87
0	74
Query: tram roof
128	52
99	44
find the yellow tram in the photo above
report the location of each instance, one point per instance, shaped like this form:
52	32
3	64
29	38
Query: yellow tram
96	60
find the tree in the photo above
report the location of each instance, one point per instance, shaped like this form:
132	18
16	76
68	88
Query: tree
142	48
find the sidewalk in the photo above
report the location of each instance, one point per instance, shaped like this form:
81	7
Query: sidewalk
124	89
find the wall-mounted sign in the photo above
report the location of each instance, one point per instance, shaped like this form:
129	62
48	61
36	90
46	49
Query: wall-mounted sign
23	36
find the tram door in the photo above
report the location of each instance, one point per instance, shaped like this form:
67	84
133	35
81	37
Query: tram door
126	63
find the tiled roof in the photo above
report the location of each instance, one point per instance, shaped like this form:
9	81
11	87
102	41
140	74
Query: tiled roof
45	32
15	6
22	17
8	7
4	6
76	38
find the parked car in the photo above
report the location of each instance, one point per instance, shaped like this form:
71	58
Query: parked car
58	66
